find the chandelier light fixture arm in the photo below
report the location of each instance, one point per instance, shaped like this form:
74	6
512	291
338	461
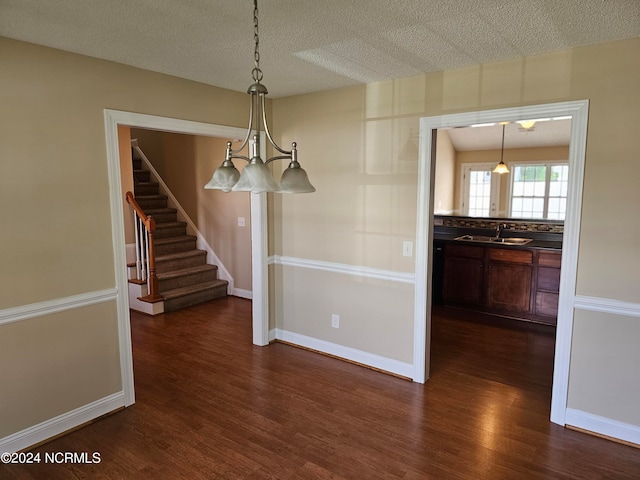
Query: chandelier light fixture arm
256	177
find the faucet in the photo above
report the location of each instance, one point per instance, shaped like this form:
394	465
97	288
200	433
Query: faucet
499	228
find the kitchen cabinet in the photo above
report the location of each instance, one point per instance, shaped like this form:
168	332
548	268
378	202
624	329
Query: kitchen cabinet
518	282
548	286
509	280
463	274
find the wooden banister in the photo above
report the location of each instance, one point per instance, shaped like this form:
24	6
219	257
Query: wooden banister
150	227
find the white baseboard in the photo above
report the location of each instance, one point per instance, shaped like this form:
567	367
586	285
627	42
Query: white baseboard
365	358
239	292
603	426
60	424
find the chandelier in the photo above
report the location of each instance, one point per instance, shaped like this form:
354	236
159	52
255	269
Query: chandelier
256	177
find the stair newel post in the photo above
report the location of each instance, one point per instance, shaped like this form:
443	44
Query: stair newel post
154	289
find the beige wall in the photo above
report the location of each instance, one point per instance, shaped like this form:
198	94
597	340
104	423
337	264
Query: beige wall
218	212
350	145
152	144
55	363
445	183
605	356
126	174
58	240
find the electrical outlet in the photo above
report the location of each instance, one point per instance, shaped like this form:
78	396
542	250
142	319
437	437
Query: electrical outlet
335	320
407	248
241	221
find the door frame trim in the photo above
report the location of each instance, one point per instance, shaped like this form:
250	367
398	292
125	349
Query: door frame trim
578	110
113	118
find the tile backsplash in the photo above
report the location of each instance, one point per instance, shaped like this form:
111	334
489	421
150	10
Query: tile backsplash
551	226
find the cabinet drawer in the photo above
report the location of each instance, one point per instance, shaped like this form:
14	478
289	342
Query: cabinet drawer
466	251
550	259
514	256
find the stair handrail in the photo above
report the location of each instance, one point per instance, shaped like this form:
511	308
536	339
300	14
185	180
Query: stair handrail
145	252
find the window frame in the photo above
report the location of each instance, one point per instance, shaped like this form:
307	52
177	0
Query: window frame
547	164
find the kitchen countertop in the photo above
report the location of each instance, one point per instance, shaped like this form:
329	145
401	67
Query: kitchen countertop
540	241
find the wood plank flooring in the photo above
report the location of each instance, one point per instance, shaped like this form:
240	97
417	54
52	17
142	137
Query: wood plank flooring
209	405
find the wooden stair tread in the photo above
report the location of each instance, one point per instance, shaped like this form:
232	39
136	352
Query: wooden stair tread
179	292
151	196
176	239
180	255
151	211
186	271
170	224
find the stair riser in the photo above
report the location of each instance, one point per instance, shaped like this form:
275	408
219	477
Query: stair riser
187	280
147	203
175	247
193	299
162	267
147	189
137	163
142	175
164	217
170	232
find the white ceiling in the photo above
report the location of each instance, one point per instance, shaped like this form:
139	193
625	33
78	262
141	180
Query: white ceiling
547	133
311	45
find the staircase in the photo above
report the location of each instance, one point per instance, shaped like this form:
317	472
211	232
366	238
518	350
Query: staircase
184	277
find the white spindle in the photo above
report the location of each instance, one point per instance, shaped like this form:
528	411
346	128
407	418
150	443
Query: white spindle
146	256
137	233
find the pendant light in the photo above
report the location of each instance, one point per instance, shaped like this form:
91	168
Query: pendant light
501	167
256	177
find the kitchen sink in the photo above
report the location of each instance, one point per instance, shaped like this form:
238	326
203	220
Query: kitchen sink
498	240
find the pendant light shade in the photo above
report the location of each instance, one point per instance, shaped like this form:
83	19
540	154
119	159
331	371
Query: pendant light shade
501	167
224	178
295	180
256	176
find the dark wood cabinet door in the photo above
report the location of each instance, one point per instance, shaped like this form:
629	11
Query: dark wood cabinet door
463	280
509	286
548	286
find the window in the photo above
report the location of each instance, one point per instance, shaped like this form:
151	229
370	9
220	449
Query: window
539	190
480	191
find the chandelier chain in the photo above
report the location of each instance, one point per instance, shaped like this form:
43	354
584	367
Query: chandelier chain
256	72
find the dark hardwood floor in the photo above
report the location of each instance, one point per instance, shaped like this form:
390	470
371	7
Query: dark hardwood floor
212	406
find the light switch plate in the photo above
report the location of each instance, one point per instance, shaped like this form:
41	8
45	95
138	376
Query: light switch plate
407	248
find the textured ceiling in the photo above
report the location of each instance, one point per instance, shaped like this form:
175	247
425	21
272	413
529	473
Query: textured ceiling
311	45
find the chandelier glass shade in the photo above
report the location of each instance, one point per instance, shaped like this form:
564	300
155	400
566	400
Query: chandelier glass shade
256	176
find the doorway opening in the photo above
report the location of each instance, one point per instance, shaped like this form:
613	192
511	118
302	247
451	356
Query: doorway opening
259	280
577	112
